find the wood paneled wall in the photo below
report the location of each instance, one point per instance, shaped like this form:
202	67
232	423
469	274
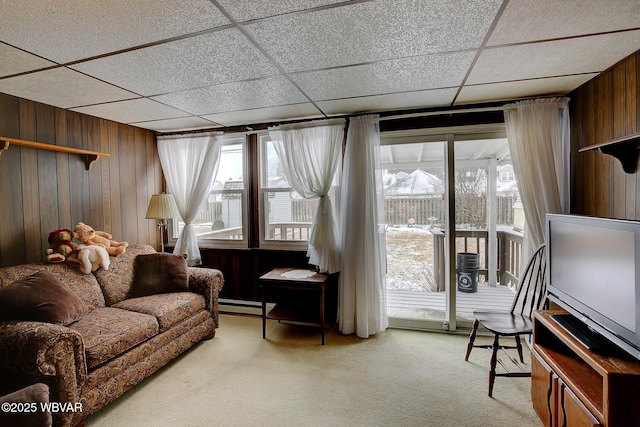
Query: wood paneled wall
42	190
605	108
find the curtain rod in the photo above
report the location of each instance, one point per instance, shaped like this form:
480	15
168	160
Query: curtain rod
442	112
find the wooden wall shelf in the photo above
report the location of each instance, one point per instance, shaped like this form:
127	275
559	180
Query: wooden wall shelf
92	156
624	149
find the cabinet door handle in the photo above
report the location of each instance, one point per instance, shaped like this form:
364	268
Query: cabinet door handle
564	414
549	392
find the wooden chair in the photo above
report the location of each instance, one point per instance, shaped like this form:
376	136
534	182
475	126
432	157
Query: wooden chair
531	296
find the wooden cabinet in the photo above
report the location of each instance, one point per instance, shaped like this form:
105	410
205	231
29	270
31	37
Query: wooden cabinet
574	387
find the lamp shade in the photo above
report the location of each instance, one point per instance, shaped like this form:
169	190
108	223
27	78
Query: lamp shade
162	206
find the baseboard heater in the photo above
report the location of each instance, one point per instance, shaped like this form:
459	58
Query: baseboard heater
226	305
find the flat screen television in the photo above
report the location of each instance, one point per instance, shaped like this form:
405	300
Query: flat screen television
593	272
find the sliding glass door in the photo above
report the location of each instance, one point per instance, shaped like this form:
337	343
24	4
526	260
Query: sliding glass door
427	179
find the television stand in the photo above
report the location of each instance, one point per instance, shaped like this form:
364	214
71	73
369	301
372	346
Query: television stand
574	386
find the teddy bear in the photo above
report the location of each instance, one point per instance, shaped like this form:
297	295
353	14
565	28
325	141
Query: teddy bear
90	257
61	245
87	235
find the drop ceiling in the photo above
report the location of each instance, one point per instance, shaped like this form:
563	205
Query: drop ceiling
171	65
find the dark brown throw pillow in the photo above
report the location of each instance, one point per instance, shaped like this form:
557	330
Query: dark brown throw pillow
31	398
159	273
40	297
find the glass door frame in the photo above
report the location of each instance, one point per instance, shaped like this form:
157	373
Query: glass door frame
449	136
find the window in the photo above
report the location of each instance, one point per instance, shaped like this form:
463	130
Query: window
222	218
285	216
507	176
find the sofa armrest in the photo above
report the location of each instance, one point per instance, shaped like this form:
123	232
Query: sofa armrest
207	282
33	352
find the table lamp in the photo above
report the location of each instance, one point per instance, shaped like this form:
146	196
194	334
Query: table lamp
162	207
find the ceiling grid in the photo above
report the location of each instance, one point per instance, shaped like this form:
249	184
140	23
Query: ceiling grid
177	65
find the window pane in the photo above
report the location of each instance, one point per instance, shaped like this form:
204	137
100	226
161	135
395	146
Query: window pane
286	216
230	170
221	215
289	216
275	177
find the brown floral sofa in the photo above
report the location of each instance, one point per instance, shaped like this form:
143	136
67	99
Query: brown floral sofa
115	343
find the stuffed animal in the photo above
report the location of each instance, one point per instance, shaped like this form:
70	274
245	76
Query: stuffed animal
61	245
90	237
91	257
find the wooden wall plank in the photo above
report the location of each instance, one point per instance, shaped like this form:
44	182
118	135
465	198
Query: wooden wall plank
105	176
619	181
30	198
114	180
142	183
47	172
154	182
604	132
128	190
64	184
96	204
12	235
79	180
631	95
589	158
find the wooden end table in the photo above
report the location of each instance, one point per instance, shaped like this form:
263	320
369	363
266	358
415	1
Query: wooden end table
294	280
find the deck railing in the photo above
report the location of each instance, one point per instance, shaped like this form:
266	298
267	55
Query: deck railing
477	241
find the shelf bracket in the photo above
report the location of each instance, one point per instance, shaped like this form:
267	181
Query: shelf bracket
91	156
624	149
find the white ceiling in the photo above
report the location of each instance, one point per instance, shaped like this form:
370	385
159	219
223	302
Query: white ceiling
171	65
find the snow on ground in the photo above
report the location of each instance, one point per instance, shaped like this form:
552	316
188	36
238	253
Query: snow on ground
410	259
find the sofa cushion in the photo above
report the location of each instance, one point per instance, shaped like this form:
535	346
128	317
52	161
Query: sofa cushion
85	286
108	332
169	309
159	273
42	298
116	282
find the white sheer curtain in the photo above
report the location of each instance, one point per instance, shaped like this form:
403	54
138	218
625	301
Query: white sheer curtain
189	163
310	154
362	291
538	133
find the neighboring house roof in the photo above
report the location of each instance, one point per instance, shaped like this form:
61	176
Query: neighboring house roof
232	185
507	187
417	182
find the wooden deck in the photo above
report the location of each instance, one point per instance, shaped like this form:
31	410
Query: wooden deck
431	305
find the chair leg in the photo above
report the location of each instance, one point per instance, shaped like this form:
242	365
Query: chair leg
519	347
494	361
472	338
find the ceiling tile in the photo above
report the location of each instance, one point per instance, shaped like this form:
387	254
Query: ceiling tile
68	30
402	75
521	89
62	88
267	92
132	111
556	58
527	20
15	61
214	58
266	115
182	123
245	10
373	31
397	101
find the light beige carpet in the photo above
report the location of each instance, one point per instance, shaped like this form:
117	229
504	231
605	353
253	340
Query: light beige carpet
395	378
